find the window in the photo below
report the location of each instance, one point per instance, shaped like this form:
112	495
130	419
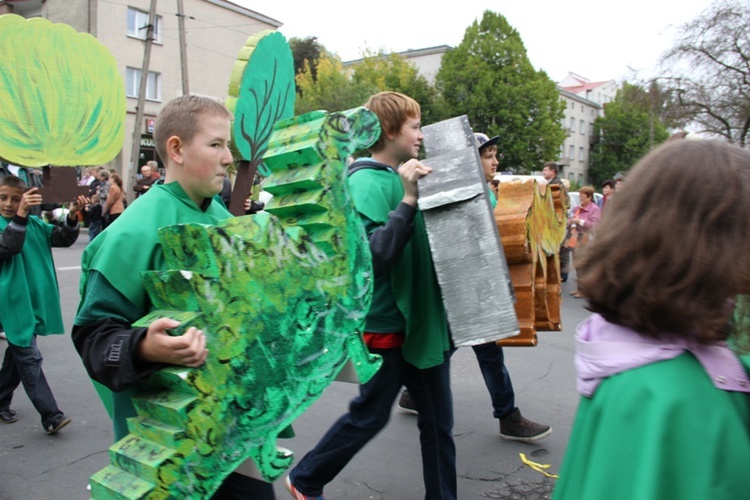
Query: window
591	129
572	124
581	108
582	127
571	176
580	178
580	154
137	22
572	105
133	84
572	152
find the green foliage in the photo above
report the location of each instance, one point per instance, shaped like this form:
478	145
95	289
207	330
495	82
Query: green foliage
628	131
489	78
336	88
306	53
332	90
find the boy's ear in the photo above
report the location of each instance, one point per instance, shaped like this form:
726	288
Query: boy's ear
174	149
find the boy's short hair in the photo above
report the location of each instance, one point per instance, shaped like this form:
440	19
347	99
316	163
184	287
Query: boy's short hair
608	182
180	116
14	182
392	109
553	166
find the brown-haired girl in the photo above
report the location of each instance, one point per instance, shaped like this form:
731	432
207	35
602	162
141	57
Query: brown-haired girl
665	411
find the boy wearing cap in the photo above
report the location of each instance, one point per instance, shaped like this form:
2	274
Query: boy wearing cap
513	426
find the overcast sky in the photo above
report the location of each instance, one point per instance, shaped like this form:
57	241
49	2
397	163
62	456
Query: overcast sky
599	40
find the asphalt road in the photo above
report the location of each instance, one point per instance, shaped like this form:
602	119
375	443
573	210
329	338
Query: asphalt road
36	466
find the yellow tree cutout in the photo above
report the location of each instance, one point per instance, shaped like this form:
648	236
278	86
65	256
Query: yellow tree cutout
62	100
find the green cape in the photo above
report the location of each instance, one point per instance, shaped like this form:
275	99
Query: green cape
30	298
413	278
661	431
131	246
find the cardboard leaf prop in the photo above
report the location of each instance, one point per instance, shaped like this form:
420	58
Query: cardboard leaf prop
62	100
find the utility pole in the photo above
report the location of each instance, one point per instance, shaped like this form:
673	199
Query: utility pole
132	170
183	48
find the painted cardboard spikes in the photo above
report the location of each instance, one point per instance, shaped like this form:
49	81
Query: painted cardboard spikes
62	100
274	347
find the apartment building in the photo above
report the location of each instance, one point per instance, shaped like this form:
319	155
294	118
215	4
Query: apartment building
584	102
215	32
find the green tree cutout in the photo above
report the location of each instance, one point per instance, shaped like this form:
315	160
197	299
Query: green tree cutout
267	95
489	78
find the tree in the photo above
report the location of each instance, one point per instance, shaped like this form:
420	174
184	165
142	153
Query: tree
337	88
489	78
306	53
710	63
390	72
332	90
627	131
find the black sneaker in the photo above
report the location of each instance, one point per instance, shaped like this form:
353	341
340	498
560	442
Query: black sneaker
57	424
8	416
406	404
516	428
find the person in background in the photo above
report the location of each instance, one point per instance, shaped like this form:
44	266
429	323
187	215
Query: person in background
581	226
93	217
608	189
146	180
665	403
114	205
87	177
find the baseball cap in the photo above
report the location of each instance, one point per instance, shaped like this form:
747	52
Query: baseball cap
484	142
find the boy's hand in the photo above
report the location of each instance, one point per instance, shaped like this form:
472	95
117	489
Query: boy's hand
78	204
158	346
410	172
30	198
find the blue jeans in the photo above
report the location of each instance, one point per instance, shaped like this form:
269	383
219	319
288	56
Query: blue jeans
496	378
369	413
24	365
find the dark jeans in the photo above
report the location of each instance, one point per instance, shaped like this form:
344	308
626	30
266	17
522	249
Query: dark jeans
369	413
496	378
24	365
240	487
